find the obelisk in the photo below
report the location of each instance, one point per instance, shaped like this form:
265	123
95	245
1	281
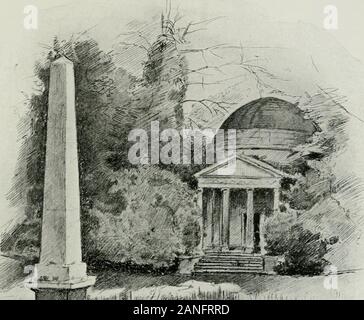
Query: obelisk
60	273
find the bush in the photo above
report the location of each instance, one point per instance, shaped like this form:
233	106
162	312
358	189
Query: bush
305	253
157	222
277	232
191	235
303	250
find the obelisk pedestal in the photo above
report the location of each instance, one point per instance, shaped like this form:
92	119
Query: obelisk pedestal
60	273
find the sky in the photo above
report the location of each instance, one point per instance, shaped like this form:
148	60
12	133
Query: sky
295	24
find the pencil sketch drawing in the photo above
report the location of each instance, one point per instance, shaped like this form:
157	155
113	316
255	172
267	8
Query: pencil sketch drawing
180	150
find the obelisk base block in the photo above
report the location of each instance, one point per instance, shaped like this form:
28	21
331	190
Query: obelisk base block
60	282
60	273
56	294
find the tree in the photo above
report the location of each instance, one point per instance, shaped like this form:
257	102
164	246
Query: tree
322	220
94	109
109	103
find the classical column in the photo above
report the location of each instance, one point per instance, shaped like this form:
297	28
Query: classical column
203	216
262	242
216	219
275	200
243	227
209	219
61	274
250	221
225	218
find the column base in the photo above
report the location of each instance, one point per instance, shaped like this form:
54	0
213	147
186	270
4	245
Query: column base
249	250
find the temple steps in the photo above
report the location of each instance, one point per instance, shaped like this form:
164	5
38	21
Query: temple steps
227	262
219	270
231	263
233	260
226	257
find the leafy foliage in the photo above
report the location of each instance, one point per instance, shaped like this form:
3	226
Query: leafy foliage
158	222
94	88
116	198
303	251
277	232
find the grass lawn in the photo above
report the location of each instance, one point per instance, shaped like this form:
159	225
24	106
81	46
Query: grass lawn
122	285
113	285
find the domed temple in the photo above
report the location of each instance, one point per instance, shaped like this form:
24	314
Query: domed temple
270	128
237	196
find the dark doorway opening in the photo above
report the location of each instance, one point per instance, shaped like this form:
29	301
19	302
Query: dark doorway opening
263	204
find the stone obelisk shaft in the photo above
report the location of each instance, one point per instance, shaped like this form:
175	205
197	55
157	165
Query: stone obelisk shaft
60	266
61	241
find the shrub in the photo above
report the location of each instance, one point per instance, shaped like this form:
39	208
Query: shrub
278	233
191	235
157	222
305	253
303	250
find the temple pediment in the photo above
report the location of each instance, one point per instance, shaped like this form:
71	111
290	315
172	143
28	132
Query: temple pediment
241	167
240	172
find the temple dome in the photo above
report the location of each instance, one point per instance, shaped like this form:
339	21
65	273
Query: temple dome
270	113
